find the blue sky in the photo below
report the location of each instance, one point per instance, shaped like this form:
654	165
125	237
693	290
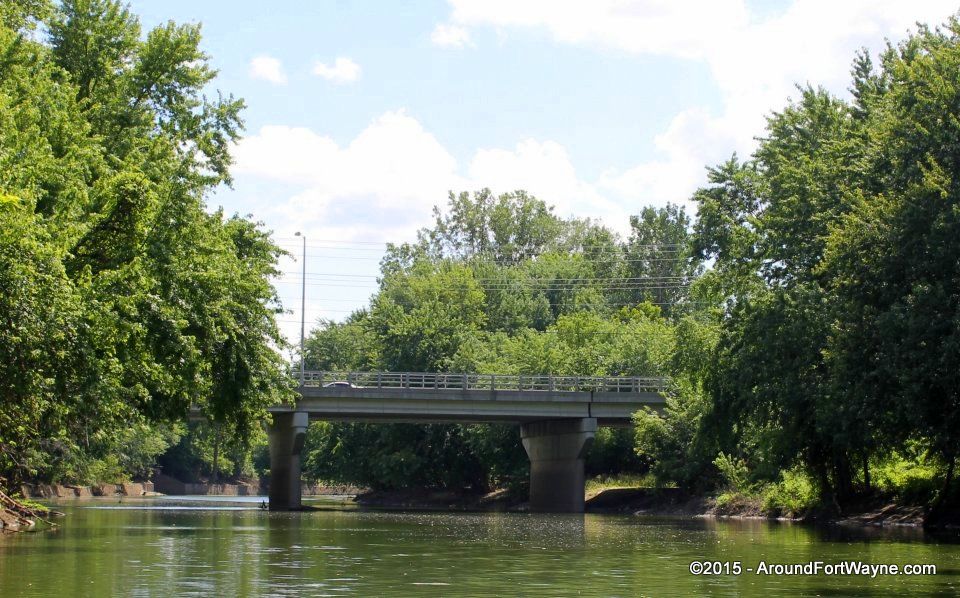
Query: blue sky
361	115
489	95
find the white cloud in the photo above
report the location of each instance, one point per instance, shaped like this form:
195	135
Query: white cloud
450	36
651	26
384	183
343	70
545	170
267	68
693	140
755	62
392	172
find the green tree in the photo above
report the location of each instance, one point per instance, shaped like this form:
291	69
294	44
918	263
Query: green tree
658	256
893	265
143	303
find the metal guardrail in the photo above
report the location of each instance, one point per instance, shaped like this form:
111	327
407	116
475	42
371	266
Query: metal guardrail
445	381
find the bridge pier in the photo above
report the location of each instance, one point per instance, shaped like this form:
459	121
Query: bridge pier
556	449
286	436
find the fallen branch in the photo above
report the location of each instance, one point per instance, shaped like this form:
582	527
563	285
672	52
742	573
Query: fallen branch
26	516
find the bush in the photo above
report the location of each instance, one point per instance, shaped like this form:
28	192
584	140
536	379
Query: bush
911	480
794	493
673	443
733	471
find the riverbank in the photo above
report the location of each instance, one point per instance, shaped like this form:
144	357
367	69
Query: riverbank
659	502
165	485
645	501
673	502
75	491
17	515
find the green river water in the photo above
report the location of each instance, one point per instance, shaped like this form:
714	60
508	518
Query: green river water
165	547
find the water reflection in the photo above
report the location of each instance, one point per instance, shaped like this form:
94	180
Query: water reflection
203	548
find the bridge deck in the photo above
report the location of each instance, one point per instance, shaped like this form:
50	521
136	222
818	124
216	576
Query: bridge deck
433	397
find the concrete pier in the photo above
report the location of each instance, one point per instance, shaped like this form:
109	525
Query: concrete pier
286	436
556	449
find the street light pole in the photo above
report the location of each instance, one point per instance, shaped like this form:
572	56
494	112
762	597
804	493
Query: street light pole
303	303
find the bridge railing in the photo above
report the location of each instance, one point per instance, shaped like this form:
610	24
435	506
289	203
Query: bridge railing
514	382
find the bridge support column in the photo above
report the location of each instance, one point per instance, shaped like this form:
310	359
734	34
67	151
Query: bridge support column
286	436
556	449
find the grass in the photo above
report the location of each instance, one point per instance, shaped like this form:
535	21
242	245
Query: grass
623	480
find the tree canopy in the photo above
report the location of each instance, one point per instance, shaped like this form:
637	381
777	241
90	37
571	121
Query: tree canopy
124	299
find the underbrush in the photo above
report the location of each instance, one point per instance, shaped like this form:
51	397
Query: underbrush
910	480
792	495
901	479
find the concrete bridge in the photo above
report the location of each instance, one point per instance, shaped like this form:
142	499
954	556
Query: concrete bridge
558	416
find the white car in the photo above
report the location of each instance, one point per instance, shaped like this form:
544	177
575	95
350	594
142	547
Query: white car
339	384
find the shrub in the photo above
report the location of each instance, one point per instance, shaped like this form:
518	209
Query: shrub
793	494
911	480
733	471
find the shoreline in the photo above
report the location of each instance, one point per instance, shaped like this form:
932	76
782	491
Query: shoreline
18	516
659	502
639	502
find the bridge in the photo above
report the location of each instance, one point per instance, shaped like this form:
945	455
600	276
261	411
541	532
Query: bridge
558	417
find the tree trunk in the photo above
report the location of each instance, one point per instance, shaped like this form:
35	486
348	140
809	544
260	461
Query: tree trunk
951	464
216	455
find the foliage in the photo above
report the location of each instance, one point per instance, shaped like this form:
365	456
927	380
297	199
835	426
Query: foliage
808	317
733	471
599	483
203	452
125	302
834	284
391	456
659	239
791	496
910	479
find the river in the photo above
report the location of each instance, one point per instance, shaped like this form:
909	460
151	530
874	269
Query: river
184	547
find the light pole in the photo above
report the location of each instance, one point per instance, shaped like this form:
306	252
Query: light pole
303	303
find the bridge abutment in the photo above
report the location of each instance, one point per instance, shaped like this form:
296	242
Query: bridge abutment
556	449
286	436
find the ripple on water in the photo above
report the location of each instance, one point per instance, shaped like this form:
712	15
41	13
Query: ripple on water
206	552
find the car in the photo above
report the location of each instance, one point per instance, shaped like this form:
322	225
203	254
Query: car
339	384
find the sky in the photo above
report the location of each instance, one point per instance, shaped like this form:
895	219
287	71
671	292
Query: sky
362	115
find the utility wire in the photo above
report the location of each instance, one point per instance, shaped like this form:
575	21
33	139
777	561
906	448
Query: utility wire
510	288
316	242
334	277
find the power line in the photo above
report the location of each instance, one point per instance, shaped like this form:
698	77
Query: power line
546	288
506	283
551	304
579	333
290	241
583	258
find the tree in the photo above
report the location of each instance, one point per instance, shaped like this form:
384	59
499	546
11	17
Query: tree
510	227
108	147
894	262
658	255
